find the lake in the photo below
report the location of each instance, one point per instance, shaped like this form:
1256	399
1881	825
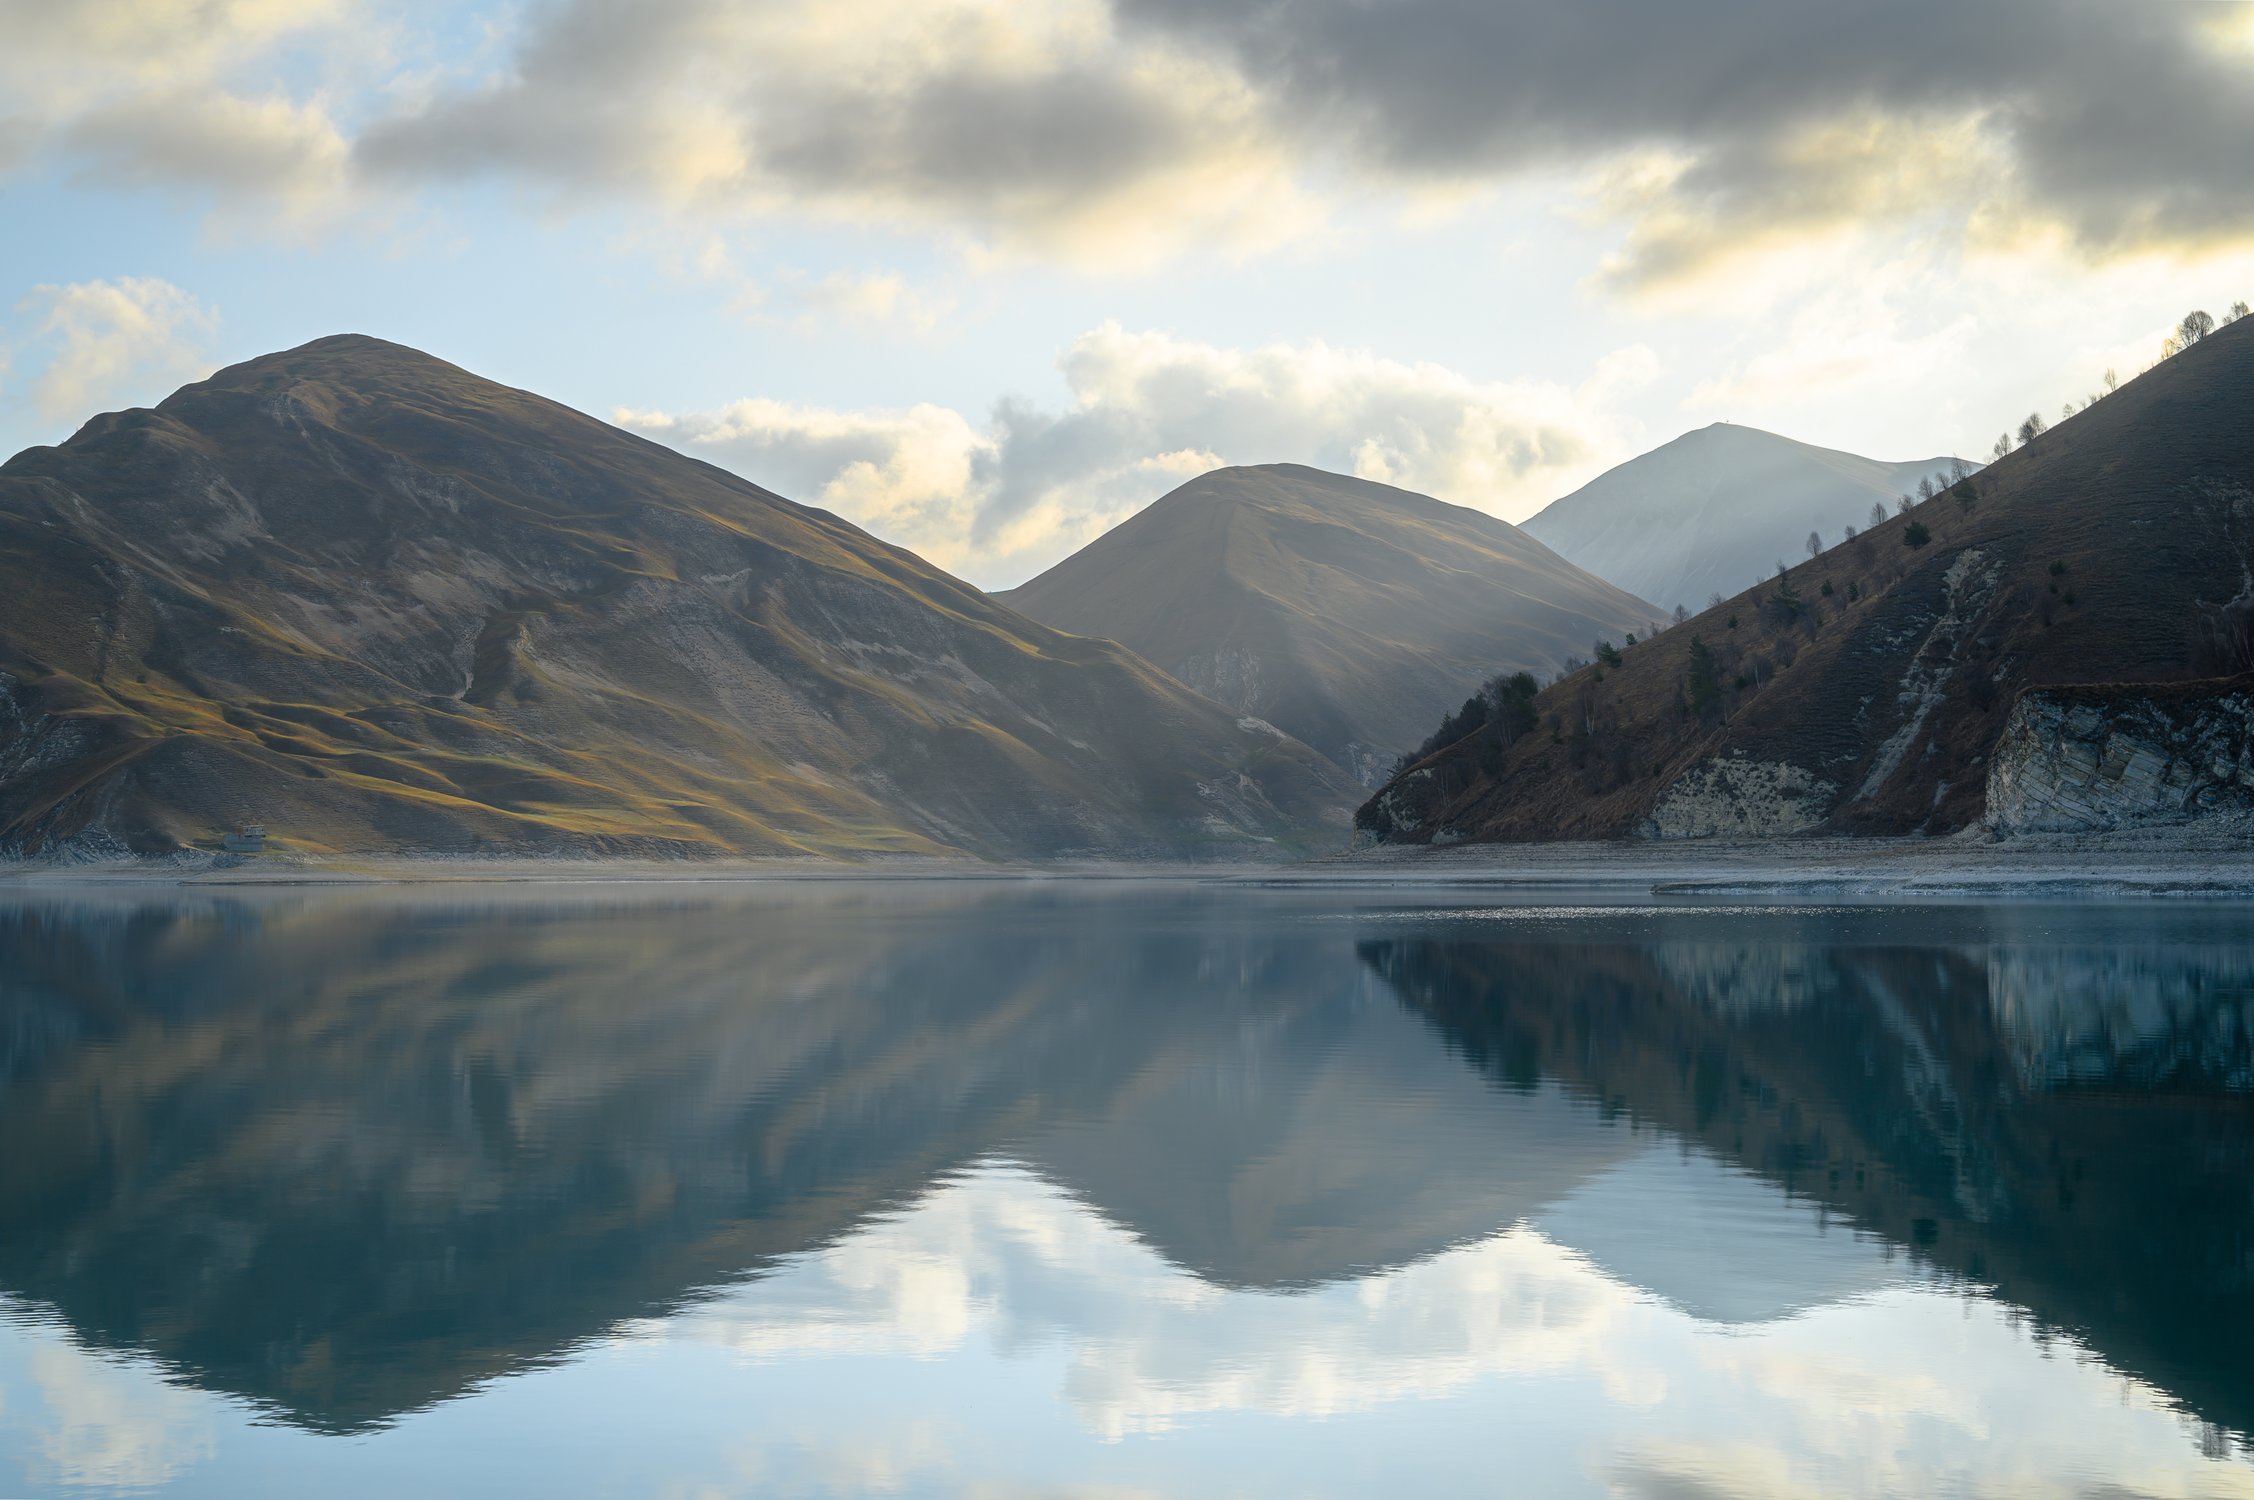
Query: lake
1112	1189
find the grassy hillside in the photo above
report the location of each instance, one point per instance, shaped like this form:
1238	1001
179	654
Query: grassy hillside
1346	613
1864	691
379	603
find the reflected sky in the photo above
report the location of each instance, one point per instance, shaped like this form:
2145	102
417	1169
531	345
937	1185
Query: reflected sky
990	1189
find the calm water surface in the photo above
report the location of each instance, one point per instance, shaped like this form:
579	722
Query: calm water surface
1008	1190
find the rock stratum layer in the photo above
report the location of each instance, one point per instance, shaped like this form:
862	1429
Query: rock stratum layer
380	604
1350	614
2075	760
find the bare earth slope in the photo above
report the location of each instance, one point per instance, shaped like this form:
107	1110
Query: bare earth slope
1346	613
2116	548
381	604
1714	509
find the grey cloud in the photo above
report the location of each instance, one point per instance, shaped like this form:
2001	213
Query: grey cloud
696	95
577	109
2117	118
18	138
208	140
978	141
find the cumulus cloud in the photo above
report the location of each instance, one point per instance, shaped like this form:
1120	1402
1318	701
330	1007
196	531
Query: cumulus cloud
1122	131
100	343
1026	124
1147	411
2118	123
233	145
153	93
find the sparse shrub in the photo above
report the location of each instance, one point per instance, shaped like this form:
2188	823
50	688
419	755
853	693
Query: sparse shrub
1915	535
1608	654
1826	589
2068	596
2058	570
1733	622
1854	591
1966	494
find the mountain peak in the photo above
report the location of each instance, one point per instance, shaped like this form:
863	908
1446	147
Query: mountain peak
1710	510
376	602
1349	613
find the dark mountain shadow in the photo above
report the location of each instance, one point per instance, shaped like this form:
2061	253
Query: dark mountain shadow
2055	1105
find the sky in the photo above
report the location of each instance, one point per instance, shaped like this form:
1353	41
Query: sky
988	276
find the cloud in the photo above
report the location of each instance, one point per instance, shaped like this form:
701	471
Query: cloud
1148	411
1122	132
905	475
100	342
1026	125
233	146
1756	126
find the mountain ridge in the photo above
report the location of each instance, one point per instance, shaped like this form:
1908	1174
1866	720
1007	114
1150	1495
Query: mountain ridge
379	603
1347	613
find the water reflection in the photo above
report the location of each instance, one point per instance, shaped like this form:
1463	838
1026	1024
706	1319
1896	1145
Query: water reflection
932	1188
2053	1104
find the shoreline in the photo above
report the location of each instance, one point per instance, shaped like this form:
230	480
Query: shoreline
2152	863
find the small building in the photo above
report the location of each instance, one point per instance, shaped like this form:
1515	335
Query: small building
249	838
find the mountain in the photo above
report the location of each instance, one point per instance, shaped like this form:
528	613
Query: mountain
1715	508
1346	613
1877	688
378	603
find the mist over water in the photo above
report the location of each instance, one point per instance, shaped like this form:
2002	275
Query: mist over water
940	1188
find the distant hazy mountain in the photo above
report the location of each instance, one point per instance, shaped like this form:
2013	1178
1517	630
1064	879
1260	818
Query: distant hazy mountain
378	603
1714	509
1347	613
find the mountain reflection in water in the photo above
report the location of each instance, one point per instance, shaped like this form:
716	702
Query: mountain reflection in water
949	1186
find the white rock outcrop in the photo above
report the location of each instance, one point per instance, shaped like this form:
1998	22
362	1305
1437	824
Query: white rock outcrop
2071	760
1735	798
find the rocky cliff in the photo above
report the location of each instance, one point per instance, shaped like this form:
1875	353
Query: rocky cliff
1865	690
2093	758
